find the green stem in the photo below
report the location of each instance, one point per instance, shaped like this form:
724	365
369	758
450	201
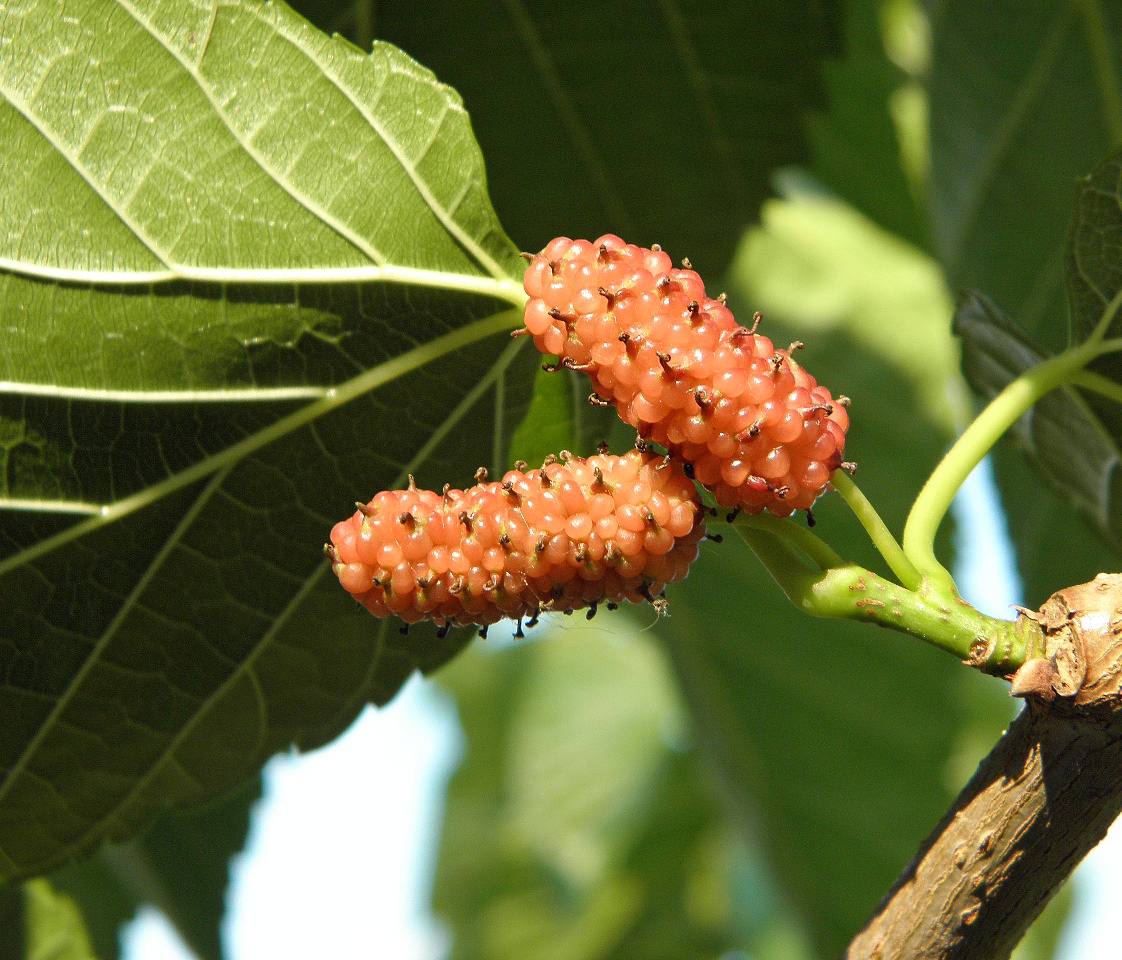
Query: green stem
1107	318
951	624
1097	383
850	592
877	530
976	441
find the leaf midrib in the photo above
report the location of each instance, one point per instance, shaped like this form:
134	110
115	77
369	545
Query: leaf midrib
1105	73
698	82
570	116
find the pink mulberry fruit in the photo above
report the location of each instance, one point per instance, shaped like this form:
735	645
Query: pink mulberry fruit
569	535
753	426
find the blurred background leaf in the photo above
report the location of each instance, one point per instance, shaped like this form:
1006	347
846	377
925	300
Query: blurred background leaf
806	717
180	865
1094	256
581	823
1024	100
875	118
38	922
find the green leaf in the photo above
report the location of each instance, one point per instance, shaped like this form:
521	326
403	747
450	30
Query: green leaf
847	741
53	924
1094	275
872	106
38	921
577	825
1062	436
250	274
560	417
179	158
1024	100
662	126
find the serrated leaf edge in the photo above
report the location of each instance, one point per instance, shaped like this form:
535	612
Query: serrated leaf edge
498	283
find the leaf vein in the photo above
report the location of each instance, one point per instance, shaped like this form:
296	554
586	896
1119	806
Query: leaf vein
94	657
71	158
699	83
245	667
570	116
468	242
363	244
368	380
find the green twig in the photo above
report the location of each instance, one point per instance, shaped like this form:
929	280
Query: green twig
1097	383
976	441
877	530
850	592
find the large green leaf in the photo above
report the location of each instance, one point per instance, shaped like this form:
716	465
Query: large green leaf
1024	100
1094	256
874	122
560	417
841	737
250	274
660	125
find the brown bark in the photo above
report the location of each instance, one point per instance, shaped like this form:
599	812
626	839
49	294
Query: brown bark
1045	795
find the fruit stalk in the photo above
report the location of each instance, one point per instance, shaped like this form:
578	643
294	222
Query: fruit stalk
850	592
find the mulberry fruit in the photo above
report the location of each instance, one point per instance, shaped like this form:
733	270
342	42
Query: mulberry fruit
753	426
566	536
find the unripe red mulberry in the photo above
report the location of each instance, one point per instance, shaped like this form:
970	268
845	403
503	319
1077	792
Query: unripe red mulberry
755	428
563	537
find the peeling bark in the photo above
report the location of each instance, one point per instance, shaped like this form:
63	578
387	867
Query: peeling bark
1044	796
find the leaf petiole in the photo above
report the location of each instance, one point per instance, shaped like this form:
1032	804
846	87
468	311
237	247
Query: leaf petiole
1097	383
877	530
976	441
850	592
